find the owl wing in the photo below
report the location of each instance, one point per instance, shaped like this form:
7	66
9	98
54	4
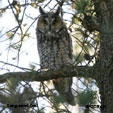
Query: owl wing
63	85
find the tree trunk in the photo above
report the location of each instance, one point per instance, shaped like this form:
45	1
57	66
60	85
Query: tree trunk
106	72
104	13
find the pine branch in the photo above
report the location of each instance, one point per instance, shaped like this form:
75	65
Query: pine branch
79	71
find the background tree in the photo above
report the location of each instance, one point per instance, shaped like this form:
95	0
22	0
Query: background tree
91	28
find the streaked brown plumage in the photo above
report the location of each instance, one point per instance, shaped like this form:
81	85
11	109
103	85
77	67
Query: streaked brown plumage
55	49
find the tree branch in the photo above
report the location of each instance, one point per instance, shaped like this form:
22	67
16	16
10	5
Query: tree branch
79	71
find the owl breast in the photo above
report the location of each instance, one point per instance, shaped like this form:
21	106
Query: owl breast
55	51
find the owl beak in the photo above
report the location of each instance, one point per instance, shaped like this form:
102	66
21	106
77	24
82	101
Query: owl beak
49	27
49	30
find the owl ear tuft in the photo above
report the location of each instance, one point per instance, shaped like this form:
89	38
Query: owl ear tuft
58	10
42	12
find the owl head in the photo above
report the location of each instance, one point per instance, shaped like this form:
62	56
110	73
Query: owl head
50	23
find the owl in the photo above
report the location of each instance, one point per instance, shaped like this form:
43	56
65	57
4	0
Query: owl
55	49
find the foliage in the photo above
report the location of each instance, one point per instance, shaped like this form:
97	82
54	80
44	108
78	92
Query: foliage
15	99
87	97
83	6
57	100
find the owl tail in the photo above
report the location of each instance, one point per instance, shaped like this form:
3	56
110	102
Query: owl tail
63	86
70	98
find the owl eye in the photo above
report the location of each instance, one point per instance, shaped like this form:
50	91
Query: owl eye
55	21
44	21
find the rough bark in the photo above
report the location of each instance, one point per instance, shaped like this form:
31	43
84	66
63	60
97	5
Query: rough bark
106	75
104	11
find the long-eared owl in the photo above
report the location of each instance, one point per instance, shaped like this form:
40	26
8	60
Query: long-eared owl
55	49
